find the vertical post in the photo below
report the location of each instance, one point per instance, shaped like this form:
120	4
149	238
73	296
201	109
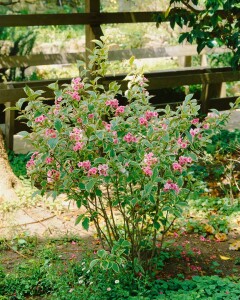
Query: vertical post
187	61
204	61
9	126
92	31
209	91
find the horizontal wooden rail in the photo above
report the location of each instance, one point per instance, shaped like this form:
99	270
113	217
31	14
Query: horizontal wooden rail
157	80
69	58
77	19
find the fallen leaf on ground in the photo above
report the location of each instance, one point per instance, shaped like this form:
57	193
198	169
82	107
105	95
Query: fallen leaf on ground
221	237
224	257
209	229
235	246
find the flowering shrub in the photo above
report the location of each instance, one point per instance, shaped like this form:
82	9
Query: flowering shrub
127	165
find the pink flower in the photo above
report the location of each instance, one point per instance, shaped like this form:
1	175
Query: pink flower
177	167
149	159
84	164
164	126
147	171
103	169
79	120
40	119
119	110
49	160
76	134
169	185
129	138
206	126
184	160
195	121
150	114
107	126
113	103
115	141
194	132
58	100
92	171
53	175
30	163
143	121
77	84
90	116
51	133
74	95
78	146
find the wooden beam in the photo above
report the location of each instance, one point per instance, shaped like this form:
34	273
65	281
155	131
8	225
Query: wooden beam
91	18
69	58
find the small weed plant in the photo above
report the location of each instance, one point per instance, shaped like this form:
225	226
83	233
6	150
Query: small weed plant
128	165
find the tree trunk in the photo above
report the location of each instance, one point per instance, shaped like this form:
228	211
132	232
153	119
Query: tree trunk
8	181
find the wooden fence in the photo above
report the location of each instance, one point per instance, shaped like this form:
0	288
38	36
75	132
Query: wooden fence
211	79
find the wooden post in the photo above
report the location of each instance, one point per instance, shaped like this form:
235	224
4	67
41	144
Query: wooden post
204	61
212	90
9	125
92	32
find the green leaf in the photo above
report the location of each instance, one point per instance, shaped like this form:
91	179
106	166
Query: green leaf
53	86
156	225
131	60
85	223
23	133
93	263
101	253
90	184
79	219
115	267
100	160
58	124
188	97
105	264
28	91
81	185
52	143
99	134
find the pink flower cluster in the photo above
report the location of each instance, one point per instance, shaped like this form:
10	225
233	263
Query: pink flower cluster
113	103
206	126
40	119
194	131
86	165
169	185
91	171
183	160
148	161
143	121
78	146
76	134
77	84
107	126
119	110
49	160
129	138
51	133
103	170
58	100
31	162
195	121
181	143
74	95
53	175
150	114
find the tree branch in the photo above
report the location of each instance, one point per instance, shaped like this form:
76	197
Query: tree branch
190	7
